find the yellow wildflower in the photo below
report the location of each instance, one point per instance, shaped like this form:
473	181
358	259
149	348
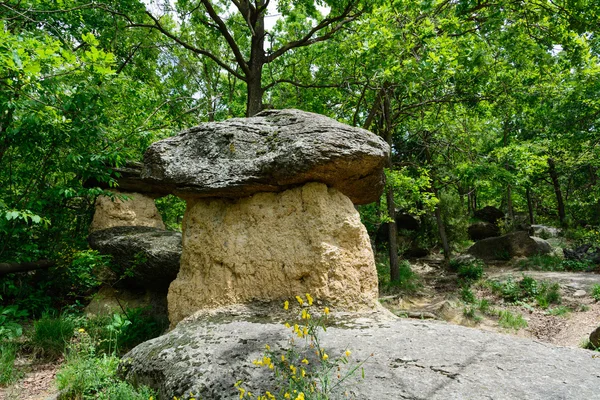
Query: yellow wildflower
81	330
325	357
267	347
286	395
348	352
242	392
326	310
293	369
286	305
305	361
299	299
287	325
282	357
310	299
302	372
300	396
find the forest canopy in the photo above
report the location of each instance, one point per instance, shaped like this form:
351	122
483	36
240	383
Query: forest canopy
483	103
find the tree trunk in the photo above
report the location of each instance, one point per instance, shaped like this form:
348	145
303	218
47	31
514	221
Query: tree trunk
255	91
442	230
393	236
509	205
391	205
530	206
9	268
557	191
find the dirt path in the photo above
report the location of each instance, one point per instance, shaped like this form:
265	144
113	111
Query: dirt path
37	384
439	298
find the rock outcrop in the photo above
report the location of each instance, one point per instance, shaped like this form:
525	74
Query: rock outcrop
270	152
482	230
273	246
151	255
405	359
137	210
489	214
515	244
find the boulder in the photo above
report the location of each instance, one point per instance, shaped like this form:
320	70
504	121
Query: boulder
272	246
405	359
109	301
489	214
545	231
595	338
151	254
136	210
482	230
403	222
270	152
515	244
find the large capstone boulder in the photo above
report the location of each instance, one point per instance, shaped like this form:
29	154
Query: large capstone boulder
125	209
148	257
489	214
515	244
405	359
270	152
482	230
272	246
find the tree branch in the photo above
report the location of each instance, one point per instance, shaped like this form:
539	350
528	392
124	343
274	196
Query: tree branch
9	268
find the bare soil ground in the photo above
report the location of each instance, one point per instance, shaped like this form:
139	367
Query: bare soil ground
37	384
439	298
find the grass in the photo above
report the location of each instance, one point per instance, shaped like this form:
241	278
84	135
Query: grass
509	320
560	311
554	263
8	373
408	282
51	335
596	292
527	290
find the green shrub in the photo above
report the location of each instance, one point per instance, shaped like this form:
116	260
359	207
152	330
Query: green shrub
559	311
408	282
9	327
509	320
596	292
8	353
469	313
88	375
467	295
527	289
51	335
471	272
484	306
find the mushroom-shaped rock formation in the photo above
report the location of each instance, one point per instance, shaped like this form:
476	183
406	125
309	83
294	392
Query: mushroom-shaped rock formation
271	152
270	211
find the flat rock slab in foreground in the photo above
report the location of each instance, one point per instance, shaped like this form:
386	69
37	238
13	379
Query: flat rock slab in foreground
411	360
271	152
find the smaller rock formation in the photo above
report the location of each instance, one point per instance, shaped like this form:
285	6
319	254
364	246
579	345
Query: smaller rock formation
515	244
489	214
151	255
483	230
545	231
137	210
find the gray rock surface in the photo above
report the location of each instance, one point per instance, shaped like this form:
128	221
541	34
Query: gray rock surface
482	230
153	253
405	359
271	152
546	231
515	244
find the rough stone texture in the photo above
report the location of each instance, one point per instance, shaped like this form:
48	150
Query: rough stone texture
482	230
515	244
271	152
153	253
138	210
546	231
109	300
410	359
595	337
271	246
489	214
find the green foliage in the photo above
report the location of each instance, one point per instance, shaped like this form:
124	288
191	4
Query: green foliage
467	295
51	335
470	313
561	311
408	282
553	263
8	353
528	289
471	272
509	320
9	325
87	375
596	292
171	209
